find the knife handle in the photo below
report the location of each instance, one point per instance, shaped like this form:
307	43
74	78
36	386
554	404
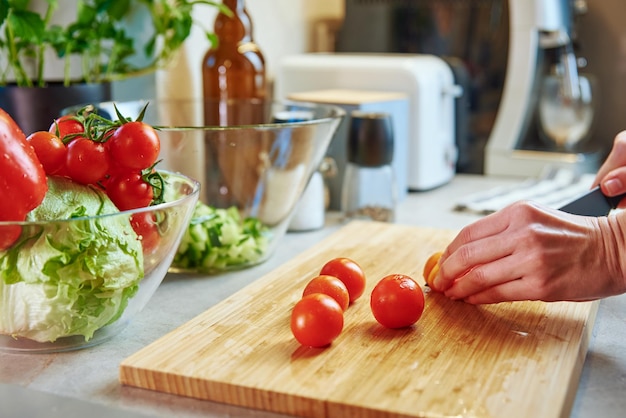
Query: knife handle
614	200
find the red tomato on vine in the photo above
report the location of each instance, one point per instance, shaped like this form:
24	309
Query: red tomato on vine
145	226
50	150
134	145
86	161
129	190
65	126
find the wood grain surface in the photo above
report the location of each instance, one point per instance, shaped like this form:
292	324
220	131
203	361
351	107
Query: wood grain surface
519	359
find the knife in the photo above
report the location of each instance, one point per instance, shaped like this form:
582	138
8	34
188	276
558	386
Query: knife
592	203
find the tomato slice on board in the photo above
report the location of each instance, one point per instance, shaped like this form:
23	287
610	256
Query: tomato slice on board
431	269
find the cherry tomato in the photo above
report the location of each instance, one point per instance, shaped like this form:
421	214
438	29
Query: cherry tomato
431	268
331	286
316	320
145	226
129	190
8	235
349	272
50	150
397	301
135	145
66	125
86	161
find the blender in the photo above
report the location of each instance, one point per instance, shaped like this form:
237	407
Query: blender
547	110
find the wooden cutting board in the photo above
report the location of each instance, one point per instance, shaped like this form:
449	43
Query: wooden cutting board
518	359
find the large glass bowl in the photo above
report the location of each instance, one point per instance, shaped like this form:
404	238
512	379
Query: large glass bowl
72	283
253	160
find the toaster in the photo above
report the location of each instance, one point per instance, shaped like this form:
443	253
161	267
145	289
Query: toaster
427	80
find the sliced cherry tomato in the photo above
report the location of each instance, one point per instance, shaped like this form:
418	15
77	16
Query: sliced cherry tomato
331	286
431	268
349	272
66	125
129	190
145	226
316	320
135	145
86	161
50	150
397	301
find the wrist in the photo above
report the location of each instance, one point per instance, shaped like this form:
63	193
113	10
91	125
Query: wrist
613	236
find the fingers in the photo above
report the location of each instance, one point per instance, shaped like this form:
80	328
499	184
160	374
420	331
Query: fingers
505	292
614	183
475	244
612	168
481	278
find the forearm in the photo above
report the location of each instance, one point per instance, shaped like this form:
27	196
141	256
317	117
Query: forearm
613	233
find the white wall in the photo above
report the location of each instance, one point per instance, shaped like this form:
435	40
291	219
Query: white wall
280	28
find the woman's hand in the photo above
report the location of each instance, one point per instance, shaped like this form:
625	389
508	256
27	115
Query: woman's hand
528	252
612	174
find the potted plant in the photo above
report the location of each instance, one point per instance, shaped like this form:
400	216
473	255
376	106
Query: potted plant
94	43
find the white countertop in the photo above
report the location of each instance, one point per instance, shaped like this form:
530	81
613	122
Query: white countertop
85	382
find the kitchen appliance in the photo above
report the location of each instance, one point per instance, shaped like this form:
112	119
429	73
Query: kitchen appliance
506	54
427	80
558	103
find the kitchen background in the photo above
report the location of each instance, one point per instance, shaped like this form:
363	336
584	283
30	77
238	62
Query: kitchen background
284	28
288	27
281	28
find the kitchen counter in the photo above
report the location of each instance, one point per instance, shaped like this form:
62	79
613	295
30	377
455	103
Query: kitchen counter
85	382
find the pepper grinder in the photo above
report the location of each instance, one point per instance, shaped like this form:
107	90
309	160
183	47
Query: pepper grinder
368	189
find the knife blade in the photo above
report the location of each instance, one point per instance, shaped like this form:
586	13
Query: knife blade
592	203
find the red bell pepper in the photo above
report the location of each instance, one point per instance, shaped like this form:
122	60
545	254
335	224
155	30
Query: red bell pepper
23	183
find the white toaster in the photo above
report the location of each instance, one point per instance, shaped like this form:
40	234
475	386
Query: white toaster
427	80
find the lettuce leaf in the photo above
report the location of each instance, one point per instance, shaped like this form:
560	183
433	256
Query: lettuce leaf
69	278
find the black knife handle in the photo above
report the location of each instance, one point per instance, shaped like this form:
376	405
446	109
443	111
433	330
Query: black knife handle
614	200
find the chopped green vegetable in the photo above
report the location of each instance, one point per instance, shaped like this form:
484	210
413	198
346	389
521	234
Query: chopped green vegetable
217	239
69	278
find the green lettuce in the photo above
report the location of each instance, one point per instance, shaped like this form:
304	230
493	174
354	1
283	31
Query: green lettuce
69	278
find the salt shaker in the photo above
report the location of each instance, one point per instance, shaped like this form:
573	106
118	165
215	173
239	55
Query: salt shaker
368	189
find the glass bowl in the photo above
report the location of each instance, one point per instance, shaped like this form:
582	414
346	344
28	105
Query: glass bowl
253	160
72	283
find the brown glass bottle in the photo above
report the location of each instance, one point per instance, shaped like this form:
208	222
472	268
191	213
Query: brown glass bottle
233	71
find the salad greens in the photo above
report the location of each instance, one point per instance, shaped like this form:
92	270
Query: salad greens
217	239
69	278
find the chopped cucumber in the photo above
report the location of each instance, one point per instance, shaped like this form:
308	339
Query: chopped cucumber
218	239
